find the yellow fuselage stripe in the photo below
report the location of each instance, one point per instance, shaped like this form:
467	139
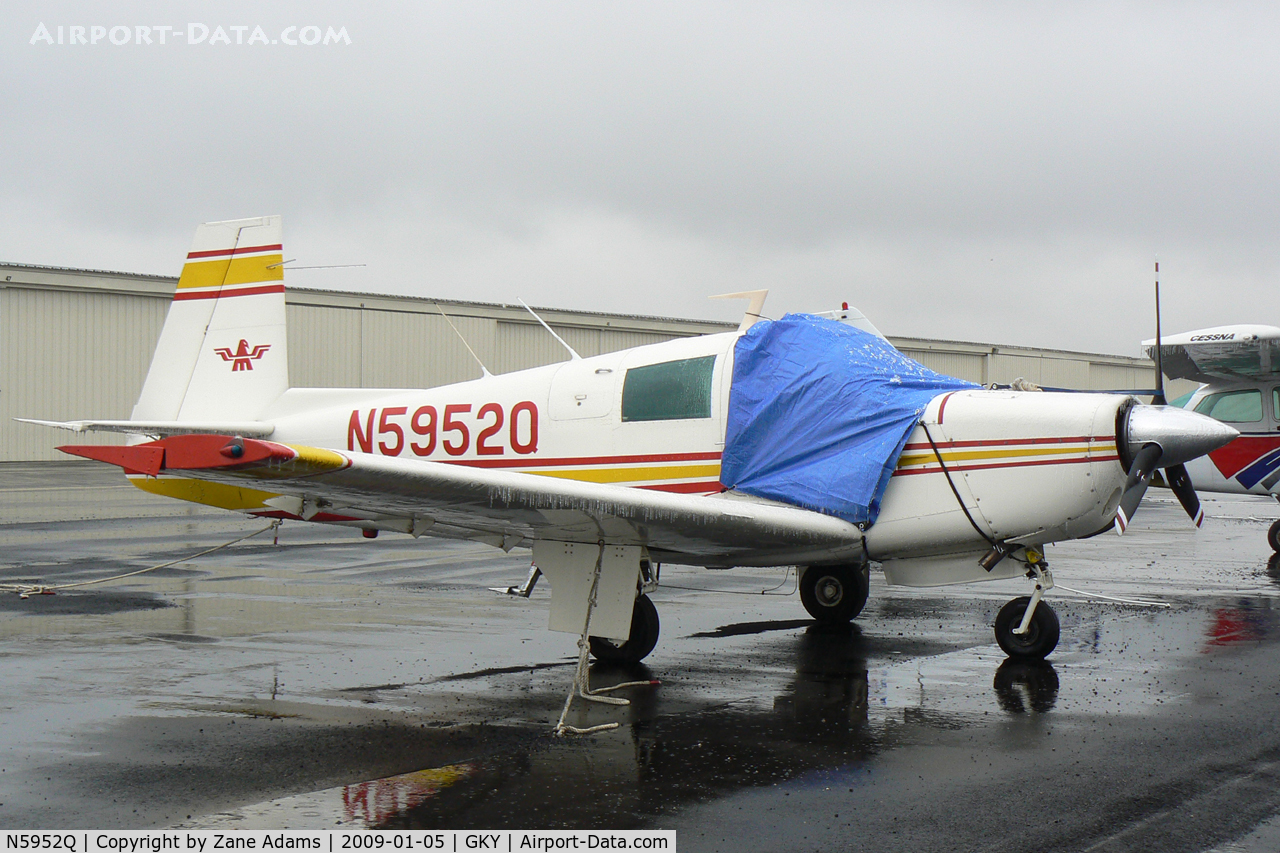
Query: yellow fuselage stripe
908	459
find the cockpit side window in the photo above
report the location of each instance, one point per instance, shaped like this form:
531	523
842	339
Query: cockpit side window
1233	407
672	390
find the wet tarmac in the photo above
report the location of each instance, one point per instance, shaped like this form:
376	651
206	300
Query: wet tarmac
332	681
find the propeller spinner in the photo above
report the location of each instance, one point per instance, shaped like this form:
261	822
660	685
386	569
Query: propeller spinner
1165	437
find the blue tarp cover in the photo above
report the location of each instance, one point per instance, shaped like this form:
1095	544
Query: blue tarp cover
819	412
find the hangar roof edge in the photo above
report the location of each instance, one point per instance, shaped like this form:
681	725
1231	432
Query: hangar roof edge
162	286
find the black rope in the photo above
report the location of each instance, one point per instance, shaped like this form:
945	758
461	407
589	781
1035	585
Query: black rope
956	491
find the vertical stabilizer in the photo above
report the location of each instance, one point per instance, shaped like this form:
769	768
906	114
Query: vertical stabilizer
222	353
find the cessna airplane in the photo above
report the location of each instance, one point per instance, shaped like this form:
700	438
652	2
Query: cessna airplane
805	441
1239	367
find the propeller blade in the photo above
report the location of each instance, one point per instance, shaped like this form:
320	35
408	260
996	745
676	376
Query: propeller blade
1158	398
1180	481
1144	462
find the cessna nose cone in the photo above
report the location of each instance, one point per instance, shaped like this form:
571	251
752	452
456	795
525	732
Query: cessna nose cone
1181	435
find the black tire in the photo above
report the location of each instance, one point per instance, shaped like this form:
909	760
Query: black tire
1273	537
1042	634
644	636
834	595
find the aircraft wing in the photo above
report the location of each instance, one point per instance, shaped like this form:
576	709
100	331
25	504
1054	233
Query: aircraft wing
248	429
501	508
1232	352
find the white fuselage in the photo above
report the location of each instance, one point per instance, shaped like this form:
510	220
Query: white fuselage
1029	467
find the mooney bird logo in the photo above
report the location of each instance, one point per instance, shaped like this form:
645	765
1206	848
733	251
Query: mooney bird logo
243	358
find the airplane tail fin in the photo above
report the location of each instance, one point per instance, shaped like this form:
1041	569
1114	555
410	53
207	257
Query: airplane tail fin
222	353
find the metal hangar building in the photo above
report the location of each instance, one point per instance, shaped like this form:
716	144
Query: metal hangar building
77	343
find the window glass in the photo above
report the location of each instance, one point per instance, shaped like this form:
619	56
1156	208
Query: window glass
1181	402
1233	407
673	390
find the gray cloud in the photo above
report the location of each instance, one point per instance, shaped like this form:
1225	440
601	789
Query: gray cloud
996	171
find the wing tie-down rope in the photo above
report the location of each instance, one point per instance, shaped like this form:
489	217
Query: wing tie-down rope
28	590
582	676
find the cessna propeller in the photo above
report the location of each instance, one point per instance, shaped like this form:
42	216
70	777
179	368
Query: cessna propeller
1163	437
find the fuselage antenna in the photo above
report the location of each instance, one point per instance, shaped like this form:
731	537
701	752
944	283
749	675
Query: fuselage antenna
754	306
484	370
573	354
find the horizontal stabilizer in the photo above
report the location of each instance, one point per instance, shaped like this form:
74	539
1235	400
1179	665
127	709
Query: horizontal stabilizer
248	429
139	459
188	453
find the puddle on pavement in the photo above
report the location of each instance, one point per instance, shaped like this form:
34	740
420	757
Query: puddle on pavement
836	700
347	685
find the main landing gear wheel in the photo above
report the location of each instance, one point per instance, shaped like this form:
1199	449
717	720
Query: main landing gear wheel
1273	537
644	636
1042	634
835	594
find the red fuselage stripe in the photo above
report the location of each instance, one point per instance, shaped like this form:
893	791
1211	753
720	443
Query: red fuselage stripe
226	253
685	488
942	407
227	292
516	462
990	465
1010	442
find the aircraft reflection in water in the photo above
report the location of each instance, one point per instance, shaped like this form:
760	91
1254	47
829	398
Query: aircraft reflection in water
1247	621
1023	686
1273	567
660	763
818	726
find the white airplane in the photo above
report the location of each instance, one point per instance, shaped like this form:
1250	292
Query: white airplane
1239	367
799	442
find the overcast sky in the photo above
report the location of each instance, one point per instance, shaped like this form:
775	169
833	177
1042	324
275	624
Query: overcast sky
998	172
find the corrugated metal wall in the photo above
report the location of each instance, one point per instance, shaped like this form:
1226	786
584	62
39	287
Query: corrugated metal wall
70	355
962	365
77	352
77	345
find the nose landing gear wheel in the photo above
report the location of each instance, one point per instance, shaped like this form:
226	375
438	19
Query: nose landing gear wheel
1042	634
835	594
644	636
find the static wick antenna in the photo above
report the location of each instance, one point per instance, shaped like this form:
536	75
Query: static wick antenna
484	370
573	353
325	267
